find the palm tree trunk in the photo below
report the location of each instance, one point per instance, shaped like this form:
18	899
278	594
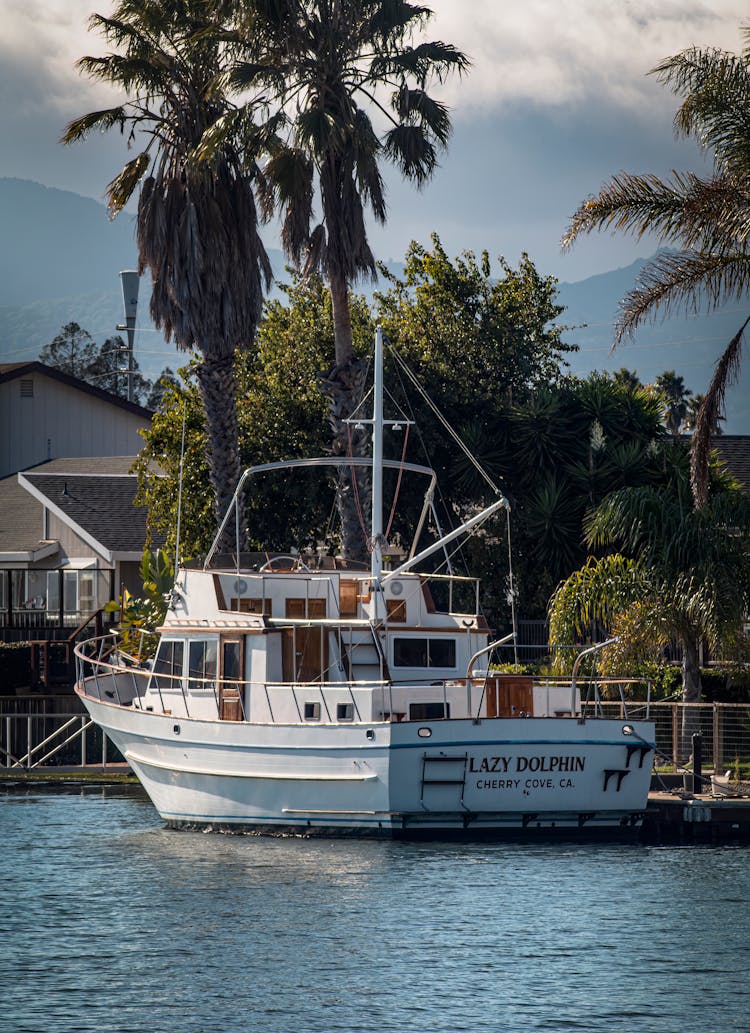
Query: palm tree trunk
691	693
218	391
343	386
342	321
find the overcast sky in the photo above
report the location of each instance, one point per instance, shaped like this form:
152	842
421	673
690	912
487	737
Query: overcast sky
557	100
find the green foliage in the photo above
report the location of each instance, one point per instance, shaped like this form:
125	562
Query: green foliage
688	579
281	415
140	617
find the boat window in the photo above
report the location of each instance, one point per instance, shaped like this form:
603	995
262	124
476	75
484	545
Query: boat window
247	605
429	711
424	652
202	663
344	712
168	663
396	609
312	711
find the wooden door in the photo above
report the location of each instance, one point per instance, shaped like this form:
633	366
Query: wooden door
231	678
305	650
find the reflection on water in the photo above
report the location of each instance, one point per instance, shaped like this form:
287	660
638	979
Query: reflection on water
111	922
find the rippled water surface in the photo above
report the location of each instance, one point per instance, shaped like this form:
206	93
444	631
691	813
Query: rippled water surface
109	922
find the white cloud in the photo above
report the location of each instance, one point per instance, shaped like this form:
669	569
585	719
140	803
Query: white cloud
555	52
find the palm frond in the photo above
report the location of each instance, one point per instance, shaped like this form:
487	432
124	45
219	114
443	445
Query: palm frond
80	128
683	209
410	149
122	187
687	280
725	374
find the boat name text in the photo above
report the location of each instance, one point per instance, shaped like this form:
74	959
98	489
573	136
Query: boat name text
504	765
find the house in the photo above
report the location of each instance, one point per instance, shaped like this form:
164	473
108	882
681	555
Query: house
70	539
734	452
47	414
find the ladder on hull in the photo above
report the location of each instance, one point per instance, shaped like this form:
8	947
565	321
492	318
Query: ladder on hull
442	769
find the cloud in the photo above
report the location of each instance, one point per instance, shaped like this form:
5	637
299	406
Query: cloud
563	52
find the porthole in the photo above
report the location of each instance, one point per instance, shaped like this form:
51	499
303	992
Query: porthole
312	711
424	733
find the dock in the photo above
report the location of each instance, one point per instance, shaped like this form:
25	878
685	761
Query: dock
687	818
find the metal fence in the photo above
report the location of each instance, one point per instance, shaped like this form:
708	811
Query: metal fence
38	730
724	728
50	731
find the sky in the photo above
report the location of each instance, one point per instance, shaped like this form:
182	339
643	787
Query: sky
557	100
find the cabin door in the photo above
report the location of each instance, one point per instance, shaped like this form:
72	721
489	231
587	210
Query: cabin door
305	650
231	678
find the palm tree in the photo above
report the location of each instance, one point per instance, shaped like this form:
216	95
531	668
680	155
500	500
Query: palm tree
332	66
676	397
706	221
196	224
686	576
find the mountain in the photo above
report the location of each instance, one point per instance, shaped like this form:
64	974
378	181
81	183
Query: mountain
63	256
689	343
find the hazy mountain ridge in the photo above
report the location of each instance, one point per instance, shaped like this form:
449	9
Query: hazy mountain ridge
63	255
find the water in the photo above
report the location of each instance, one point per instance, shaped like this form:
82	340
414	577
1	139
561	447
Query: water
109	922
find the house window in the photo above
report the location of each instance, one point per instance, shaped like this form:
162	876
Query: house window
424	652
27	388
344	711
312	711
202	664
429	711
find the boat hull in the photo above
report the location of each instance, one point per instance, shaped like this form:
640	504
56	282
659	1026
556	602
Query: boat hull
495	778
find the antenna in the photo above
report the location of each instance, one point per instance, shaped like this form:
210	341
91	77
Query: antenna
179	494
129	284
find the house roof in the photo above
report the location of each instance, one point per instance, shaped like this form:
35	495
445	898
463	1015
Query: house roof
734	452
21	523
97	506
14	370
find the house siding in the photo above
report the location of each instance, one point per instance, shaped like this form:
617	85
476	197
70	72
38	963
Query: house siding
60	421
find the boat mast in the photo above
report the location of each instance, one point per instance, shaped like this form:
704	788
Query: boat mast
376	542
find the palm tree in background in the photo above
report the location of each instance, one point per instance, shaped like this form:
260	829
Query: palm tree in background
677	400
707	220
352	87
197	222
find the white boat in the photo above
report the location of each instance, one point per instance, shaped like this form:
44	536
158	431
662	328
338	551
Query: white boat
316	699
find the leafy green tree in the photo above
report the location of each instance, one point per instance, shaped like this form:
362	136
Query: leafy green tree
704	220
281	414
196	224
332	68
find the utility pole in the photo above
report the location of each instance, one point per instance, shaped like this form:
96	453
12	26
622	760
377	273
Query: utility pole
129	283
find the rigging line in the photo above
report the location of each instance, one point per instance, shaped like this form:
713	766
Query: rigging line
398	483
467	452
425	450
355	486
512	590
